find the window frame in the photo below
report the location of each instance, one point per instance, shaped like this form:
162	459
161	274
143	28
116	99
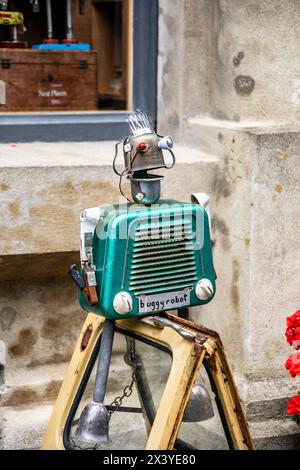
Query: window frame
98	125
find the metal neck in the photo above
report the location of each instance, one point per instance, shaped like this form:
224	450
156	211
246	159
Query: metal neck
145	188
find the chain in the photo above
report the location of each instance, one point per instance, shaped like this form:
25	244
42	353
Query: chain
127	391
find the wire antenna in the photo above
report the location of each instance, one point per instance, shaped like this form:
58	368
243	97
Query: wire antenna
140	122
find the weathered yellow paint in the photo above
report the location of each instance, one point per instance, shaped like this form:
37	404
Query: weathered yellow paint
53	439
188	357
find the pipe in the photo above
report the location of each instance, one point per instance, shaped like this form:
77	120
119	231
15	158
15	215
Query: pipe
14	33
107	338
69	32
49	20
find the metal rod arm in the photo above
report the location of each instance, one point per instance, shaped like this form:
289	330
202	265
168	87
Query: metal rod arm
104	360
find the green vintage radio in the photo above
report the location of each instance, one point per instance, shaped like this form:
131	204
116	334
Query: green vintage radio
149	255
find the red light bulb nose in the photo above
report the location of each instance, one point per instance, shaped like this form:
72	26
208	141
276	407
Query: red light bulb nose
143	147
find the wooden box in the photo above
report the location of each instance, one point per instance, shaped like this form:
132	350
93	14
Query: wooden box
33	80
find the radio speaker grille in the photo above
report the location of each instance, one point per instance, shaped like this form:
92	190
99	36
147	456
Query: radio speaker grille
162	258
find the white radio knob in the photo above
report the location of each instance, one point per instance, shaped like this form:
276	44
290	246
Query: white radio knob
204	289
122	303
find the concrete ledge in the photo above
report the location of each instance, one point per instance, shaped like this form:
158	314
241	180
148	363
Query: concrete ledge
78	154
38	386
24	429
276	434
251	126
36	267
44	187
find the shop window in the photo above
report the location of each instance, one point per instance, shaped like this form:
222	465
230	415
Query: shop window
80	63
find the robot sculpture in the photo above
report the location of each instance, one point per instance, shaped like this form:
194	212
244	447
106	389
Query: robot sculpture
140	261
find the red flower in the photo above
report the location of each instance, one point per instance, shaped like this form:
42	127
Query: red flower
293	330
293	337
293	364
294	320
293	406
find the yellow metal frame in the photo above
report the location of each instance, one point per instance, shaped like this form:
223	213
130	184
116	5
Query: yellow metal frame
188	356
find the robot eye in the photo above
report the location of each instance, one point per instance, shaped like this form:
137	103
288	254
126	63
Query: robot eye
166	143
143	147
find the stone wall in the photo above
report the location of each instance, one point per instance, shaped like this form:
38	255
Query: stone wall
229	87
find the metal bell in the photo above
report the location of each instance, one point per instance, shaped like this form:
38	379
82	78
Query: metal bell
199	407
93	424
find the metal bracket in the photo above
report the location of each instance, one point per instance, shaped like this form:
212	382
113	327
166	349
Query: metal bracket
89	219
203	200
160	322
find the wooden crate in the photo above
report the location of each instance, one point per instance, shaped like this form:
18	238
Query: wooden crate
32	80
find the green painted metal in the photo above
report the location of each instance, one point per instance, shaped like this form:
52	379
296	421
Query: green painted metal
163	248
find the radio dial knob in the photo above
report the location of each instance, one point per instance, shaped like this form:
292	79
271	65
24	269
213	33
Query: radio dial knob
204	289
122	303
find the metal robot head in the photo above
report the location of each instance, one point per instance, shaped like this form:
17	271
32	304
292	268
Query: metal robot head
143	151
